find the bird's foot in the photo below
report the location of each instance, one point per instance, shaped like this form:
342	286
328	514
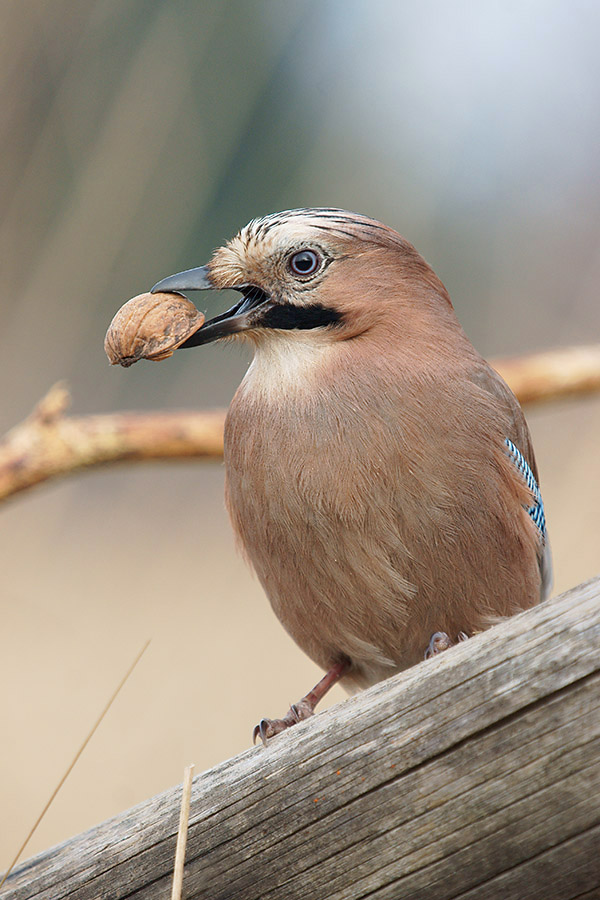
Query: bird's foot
302	710
440	642
268	728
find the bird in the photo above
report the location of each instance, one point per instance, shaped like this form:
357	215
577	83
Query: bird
380	475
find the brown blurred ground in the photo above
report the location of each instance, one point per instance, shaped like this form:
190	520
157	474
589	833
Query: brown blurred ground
135	138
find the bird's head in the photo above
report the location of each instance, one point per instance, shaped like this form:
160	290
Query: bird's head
312	271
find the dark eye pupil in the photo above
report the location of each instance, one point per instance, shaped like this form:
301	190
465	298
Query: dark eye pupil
305	262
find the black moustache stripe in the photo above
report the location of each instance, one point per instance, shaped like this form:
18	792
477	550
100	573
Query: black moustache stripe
287	316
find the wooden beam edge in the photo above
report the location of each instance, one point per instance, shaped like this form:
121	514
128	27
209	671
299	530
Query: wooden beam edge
557	639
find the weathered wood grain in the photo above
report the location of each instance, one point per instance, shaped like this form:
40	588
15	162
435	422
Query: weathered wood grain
474	775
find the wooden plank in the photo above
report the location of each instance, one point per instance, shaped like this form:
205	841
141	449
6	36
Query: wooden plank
472	775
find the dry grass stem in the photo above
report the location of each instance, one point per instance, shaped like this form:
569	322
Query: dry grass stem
73	762
184	816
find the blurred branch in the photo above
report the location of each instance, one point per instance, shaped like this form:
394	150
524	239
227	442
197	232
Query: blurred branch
49	443
549	376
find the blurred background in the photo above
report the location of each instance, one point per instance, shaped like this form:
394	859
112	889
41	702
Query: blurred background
136	137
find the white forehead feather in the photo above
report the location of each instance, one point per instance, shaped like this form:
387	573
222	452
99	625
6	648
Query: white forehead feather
295	225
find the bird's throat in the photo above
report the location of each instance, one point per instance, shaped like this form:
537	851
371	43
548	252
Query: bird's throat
286	364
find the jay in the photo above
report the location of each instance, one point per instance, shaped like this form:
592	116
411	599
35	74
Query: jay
380	476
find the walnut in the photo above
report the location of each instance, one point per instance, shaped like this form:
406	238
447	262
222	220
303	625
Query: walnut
150	326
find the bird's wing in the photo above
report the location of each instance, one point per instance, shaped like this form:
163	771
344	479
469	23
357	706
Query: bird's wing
518	432
519	449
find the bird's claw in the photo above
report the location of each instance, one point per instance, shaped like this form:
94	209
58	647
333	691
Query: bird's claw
268	728
440	642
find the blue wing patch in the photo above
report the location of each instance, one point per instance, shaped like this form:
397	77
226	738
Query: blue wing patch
536	510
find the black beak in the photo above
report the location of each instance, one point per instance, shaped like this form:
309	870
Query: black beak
238	318
190	280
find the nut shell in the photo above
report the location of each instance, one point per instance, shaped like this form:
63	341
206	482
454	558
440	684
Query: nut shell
150	326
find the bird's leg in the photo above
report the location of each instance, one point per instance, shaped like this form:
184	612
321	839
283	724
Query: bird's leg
305	707
440	641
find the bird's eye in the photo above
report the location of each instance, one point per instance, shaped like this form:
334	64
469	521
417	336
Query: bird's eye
305	262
